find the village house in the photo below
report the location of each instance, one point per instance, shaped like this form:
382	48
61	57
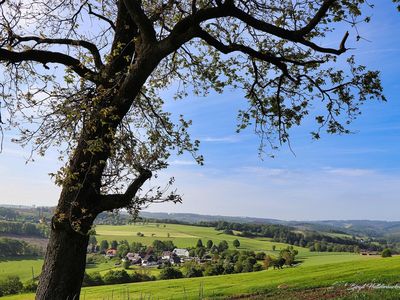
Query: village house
111	252
166	255
149	259
134	258
181	252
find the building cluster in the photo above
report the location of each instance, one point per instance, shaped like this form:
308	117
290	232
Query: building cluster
150	257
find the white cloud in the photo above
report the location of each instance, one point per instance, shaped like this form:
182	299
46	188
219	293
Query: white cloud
349	171
223	139
181	162
259	171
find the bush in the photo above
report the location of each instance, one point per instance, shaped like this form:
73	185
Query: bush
386	253
92	279
138	277
95	259
11	285
30	286
260	255
192	269
113	277
126	264
170	273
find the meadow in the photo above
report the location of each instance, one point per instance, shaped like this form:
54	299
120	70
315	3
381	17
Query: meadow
184	236
327	273
316	269
181	235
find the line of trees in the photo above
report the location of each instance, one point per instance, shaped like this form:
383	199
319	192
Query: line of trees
115	277
285	234
24	228
13	247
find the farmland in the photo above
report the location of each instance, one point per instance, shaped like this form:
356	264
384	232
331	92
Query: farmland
333	270
182	236
316	270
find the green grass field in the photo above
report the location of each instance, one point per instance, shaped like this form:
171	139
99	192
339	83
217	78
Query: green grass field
316	269
21	268
182	236
330	272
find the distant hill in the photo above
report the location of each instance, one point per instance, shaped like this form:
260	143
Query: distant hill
195	218
352	227
386	229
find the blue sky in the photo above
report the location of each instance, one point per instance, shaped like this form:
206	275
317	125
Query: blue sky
338	177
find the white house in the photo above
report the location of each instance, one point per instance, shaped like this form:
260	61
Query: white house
181	252
166	255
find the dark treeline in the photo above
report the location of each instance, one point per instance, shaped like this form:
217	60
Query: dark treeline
30	215
24	228
8	214
286	234
13	248
315	241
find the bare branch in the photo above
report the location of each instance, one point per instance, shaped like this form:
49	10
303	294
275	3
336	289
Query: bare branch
46	57
144	24
91	12
89	46
115	201
264	56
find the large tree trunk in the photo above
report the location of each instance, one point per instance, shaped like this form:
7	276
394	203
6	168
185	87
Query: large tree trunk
64	266
80	199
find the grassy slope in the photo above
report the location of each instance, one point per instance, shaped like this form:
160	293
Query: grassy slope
317	268
20	267
362	269
181	235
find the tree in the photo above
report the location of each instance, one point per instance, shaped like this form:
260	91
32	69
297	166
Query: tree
200	252
268	262
236	243
104	245
170	273
137	247
92	240
222	246
386	253
209	244
192	269
114	244
199	244
122	250
103	112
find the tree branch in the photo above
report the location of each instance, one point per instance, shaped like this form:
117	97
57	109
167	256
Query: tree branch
85	44
115	201
264	56
144	24
46	57
91	12
294	36
184	28
321	13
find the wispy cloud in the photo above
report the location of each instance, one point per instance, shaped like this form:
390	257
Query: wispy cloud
264	171
223	139
183	162
351	172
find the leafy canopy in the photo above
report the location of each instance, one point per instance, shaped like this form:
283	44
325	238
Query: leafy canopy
90	73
